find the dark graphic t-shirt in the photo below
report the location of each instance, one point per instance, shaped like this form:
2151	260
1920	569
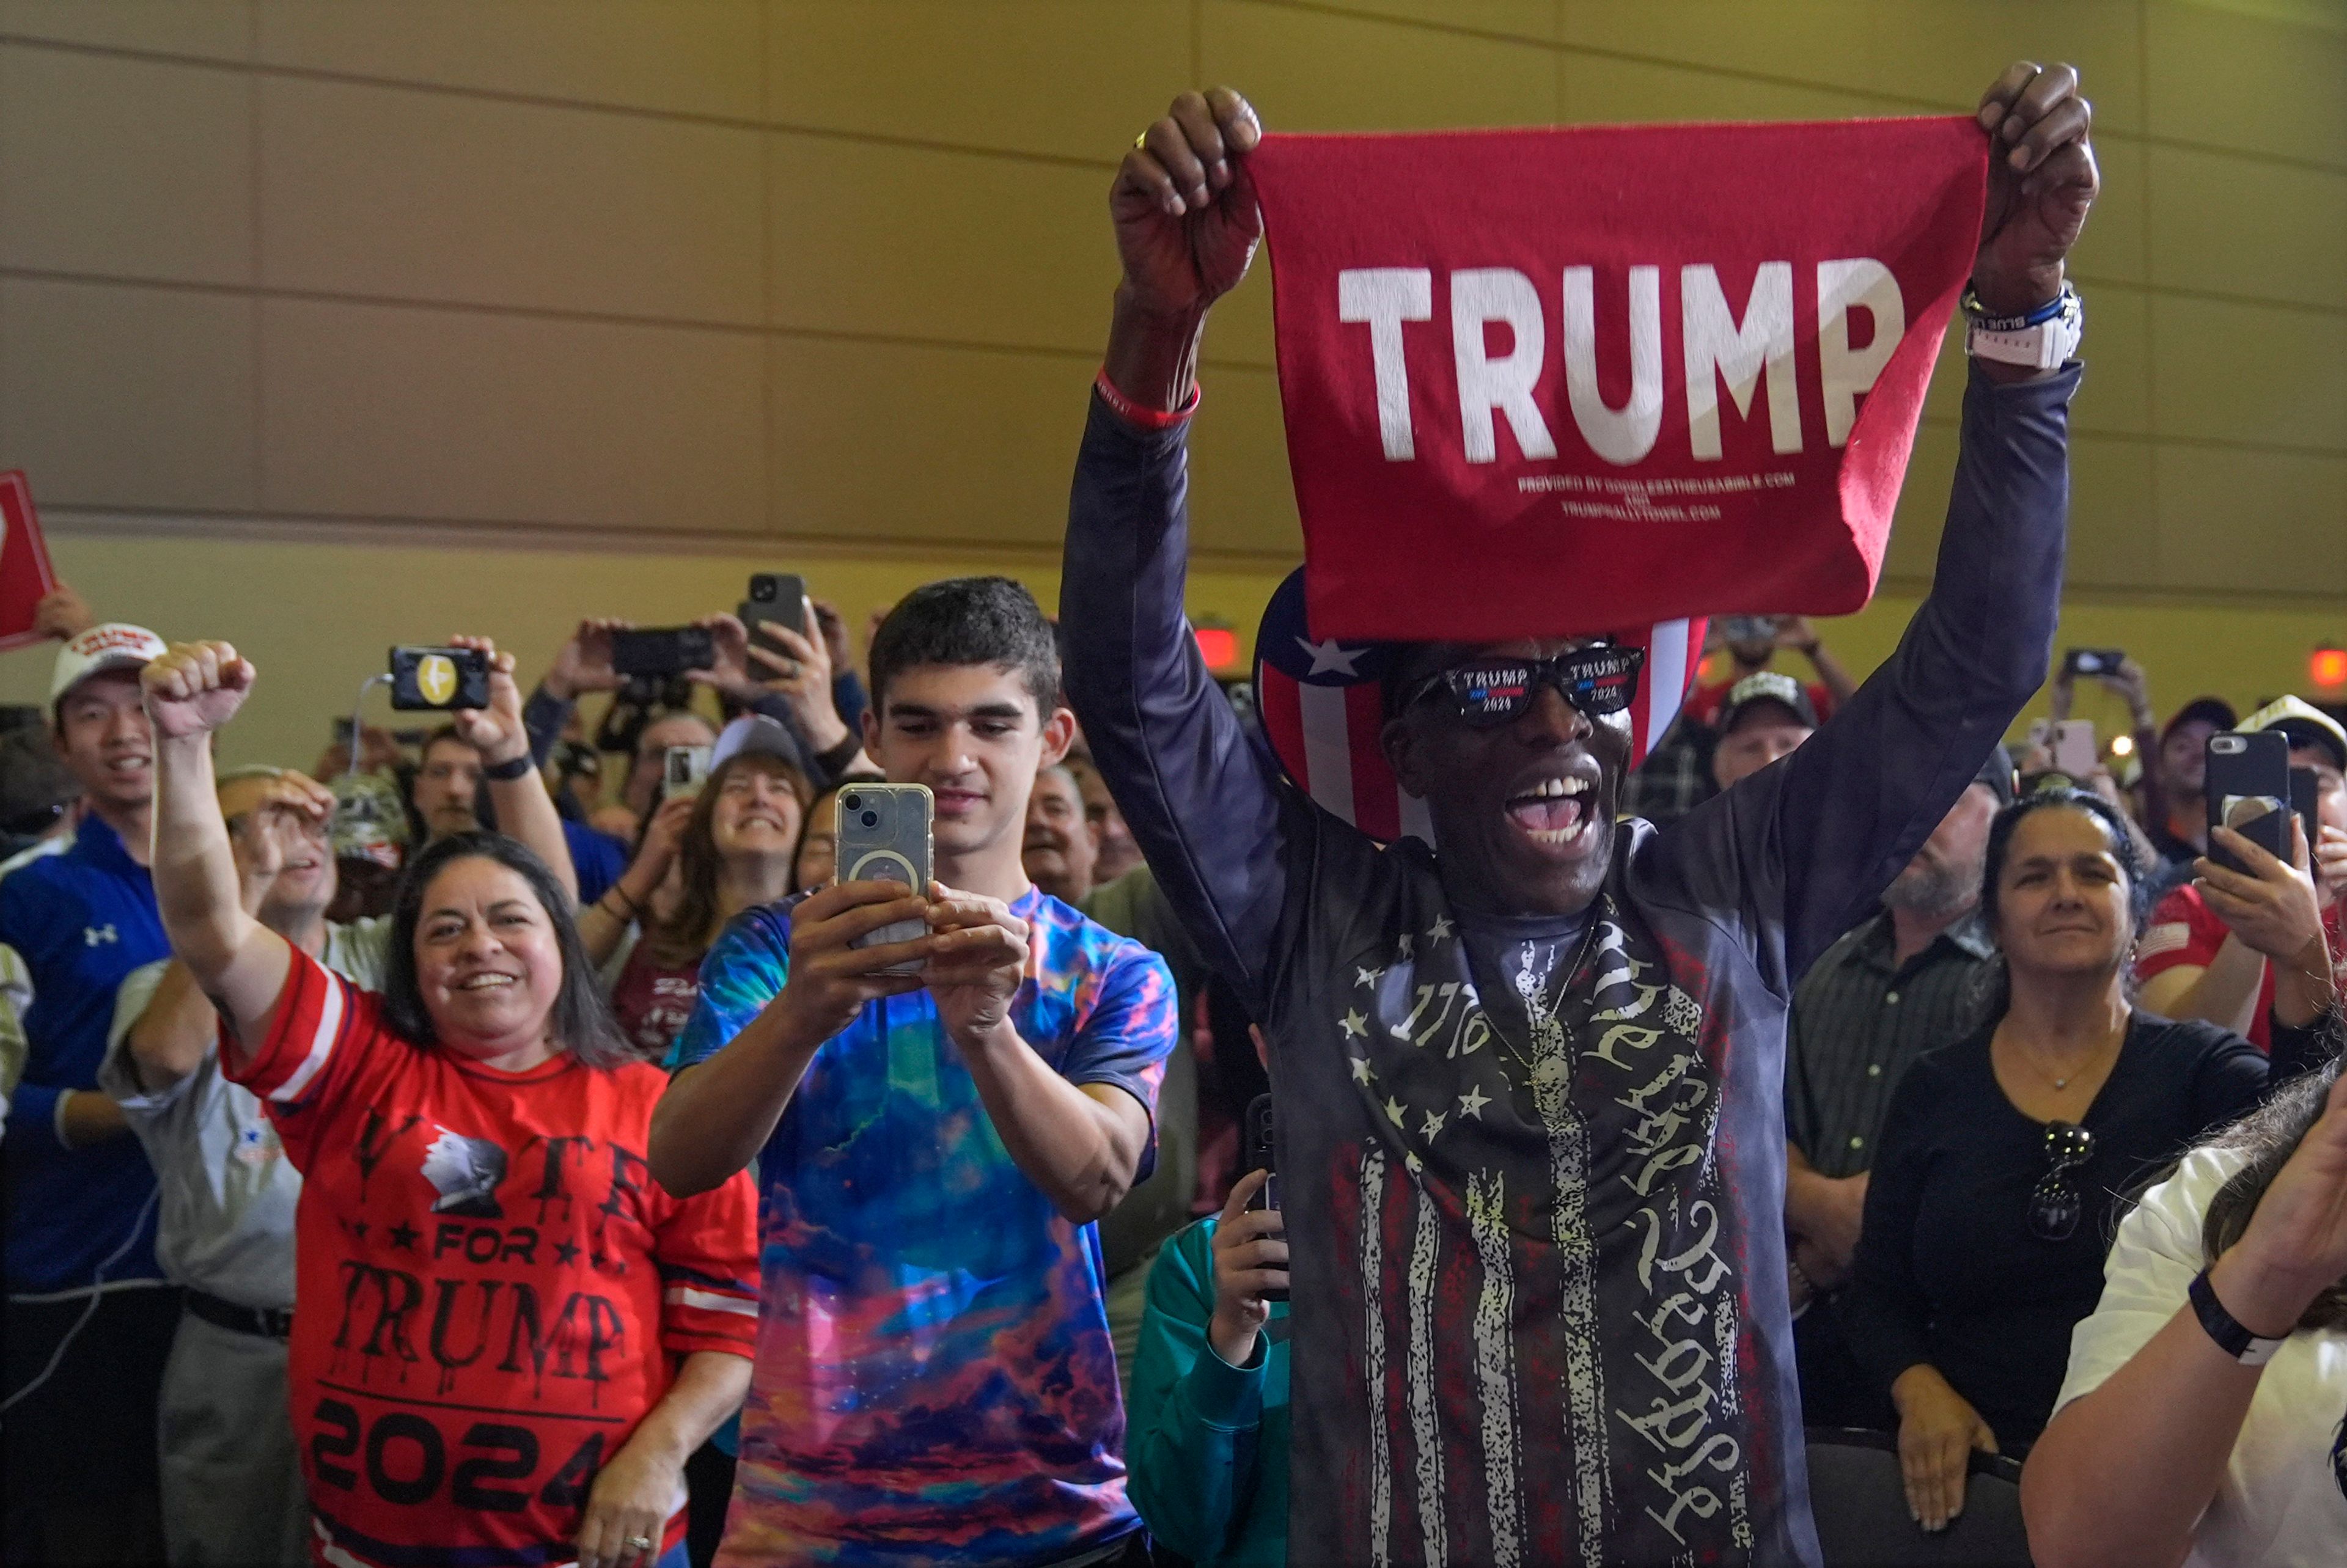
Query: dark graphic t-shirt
1533	1176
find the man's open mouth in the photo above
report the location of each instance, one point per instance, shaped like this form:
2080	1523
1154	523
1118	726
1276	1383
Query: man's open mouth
1551	812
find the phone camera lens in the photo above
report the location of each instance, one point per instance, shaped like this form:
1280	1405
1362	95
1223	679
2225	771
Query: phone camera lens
852	802
871	819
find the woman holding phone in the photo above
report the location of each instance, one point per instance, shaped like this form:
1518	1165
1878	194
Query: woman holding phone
507	1336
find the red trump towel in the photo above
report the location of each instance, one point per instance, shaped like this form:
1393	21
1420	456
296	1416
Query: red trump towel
24	576
1541	382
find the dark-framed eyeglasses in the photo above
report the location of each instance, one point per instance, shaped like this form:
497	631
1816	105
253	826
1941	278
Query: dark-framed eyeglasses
1599	680
2055	1203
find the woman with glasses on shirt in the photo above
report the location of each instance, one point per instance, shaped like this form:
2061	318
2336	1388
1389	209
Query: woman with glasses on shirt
2005	1155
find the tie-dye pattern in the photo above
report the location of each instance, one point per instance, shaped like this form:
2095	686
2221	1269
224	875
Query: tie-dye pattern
935	1382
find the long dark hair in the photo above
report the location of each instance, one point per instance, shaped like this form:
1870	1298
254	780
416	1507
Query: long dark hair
2269	1135
582	1021
686	934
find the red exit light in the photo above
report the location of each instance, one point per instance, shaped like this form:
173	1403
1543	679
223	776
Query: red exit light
1218	646
2327	666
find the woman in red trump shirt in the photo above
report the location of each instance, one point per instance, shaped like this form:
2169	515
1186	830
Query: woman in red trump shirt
506	1338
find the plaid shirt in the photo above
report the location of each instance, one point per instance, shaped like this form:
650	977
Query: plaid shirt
1675	777
1859	1023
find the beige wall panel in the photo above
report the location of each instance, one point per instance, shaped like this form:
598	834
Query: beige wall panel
1533	19
2235	226
693	56
888	442
205	29
2114	249
2219	76
1071	78
405	194
2110	510
112	395
958	247
2259	521
316	617
377	411
2113	542
1818	41
1309	70
2254	374
125	167
1242	495
1928	52
1601	90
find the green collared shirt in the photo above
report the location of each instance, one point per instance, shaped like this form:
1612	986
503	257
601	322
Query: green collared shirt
1859	1021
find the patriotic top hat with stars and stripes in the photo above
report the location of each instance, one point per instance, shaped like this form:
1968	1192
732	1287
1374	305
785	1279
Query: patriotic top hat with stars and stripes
1322	703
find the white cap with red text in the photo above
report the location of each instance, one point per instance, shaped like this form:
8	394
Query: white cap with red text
113	646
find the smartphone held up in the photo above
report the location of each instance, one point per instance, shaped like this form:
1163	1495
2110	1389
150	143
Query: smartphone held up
883	836
2248	791
427	678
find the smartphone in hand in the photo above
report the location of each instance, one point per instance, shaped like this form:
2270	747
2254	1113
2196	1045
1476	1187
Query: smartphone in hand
2075	749
883	836
684	770
424	679
778	598
2248	790
1257	1155
663	651
2092	662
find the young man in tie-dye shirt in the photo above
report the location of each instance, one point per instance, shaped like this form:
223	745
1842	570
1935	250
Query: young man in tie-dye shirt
935	1381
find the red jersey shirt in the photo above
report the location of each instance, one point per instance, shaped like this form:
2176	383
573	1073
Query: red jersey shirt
2185	930
654	1002
489	1285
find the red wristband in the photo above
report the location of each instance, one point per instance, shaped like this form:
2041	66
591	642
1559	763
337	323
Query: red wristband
1131	413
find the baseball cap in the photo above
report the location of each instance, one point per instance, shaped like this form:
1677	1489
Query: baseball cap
754	734
115	645
2207	710
1997	774
2305	724
1767	686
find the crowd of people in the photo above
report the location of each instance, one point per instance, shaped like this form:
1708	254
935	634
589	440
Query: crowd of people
503	1146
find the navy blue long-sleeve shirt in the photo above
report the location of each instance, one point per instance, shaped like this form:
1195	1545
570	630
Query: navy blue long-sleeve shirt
1533	1170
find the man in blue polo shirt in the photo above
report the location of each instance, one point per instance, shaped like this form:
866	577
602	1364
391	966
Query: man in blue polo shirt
84	1290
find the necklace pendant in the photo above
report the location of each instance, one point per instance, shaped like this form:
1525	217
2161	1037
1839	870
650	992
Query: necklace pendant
2060	1083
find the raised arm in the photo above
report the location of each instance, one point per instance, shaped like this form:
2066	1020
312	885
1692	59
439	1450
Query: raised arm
193	690
1195	791
523	808
2124	1471
1834	824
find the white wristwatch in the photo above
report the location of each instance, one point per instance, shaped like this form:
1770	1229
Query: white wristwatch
2045	338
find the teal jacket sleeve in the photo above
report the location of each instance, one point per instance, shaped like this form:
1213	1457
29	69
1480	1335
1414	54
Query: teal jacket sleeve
1192	1445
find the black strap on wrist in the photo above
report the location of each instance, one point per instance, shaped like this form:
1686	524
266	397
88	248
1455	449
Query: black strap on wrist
506	771
2231	1335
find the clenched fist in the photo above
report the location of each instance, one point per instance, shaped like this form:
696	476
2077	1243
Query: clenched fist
195	688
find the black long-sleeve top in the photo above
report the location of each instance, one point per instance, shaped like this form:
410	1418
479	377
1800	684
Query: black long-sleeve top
1948	1272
